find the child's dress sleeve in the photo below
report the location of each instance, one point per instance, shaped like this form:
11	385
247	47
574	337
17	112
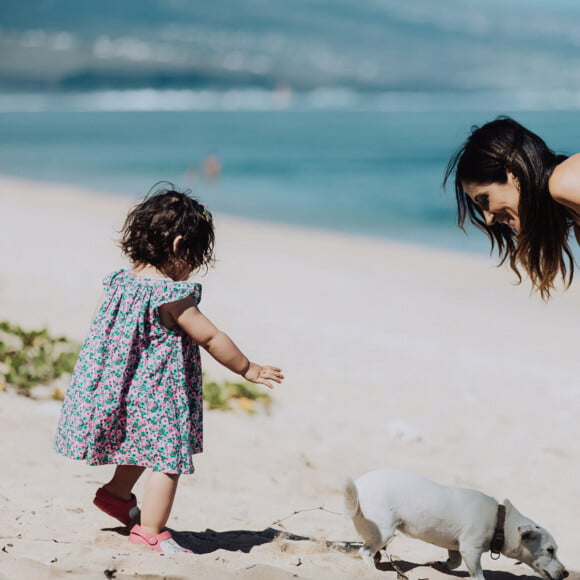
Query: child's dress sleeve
173	291
112	280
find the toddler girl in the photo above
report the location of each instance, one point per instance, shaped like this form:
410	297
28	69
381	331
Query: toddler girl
135	399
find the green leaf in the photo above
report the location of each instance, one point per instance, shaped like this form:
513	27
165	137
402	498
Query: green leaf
28	358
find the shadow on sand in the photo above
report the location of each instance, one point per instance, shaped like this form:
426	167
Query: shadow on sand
210	541
232	541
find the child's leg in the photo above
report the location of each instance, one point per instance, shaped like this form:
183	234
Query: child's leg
115	498
157	503
158	496
123	481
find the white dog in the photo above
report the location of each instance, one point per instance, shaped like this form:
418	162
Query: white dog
464	521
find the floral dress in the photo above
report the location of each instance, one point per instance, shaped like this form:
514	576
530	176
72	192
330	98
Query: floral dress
135	396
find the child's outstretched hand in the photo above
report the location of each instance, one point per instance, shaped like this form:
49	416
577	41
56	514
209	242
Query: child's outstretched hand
264	375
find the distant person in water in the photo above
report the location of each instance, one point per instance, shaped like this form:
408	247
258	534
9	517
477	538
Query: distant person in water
210	169
525	197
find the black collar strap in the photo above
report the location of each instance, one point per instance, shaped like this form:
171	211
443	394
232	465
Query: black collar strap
498	539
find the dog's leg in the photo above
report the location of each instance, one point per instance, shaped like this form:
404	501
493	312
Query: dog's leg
370	552
472	559
374	537
370	555
454	560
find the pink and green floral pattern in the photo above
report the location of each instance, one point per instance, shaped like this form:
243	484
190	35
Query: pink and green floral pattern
135	396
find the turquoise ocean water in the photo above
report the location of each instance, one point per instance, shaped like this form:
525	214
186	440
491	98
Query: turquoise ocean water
372	173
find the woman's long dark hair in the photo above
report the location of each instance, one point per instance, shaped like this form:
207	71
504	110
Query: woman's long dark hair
541	246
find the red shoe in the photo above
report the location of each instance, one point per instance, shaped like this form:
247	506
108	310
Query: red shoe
126	511
162	542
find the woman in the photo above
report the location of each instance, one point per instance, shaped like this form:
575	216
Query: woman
523	196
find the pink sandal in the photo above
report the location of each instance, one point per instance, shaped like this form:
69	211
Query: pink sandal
126	511
162	542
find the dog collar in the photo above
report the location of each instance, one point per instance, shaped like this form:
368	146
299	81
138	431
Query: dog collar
498	539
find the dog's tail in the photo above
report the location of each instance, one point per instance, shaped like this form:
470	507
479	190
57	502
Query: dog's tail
351	503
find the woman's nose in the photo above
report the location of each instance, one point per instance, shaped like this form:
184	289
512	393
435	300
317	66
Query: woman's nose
488	217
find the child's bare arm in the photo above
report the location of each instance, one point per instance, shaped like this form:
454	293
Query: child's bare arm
186	314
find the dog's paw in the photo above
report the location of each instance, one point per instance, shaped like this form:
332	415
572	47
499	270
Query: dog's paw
453	562
370	558
439	565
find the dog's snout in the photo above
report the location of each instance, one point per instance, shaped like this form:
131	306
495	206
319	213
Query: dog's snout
565	574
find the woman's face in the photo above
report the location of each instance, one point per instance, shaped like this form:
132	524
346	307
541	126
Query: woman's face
499	202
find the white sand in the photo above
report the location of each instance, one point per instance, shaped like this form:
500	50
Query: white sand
394	356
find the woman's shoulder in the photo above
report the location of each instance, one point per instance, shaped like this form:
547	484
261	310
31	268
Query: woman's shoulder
564	183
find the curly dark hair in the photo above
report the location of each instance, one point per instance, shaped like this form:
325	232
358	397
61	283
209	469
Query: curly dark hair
151	227
541	247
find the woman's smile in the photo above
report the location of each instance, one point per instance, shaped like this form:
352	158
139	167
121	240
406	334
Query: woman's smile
497	202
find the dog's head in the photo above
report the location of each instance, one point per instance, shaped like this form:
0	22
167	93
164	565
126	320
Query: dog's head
535	546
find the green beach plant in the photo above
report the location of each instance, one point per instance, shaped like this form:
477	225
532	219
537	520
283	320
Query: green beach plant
33	357
227	395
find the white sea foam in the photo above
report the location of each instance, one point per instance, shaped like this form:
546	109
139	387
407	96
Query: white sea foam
246	99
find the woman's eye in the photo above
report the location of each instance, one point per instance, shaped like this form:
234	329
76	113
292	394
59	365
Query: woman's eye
483	202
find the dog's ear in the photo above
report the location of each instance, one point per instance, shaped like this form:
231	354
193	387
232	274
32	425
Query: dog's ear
513	511
528	533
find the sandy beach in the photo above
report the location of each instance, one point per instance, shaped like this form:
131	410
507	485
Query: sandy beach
395	356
